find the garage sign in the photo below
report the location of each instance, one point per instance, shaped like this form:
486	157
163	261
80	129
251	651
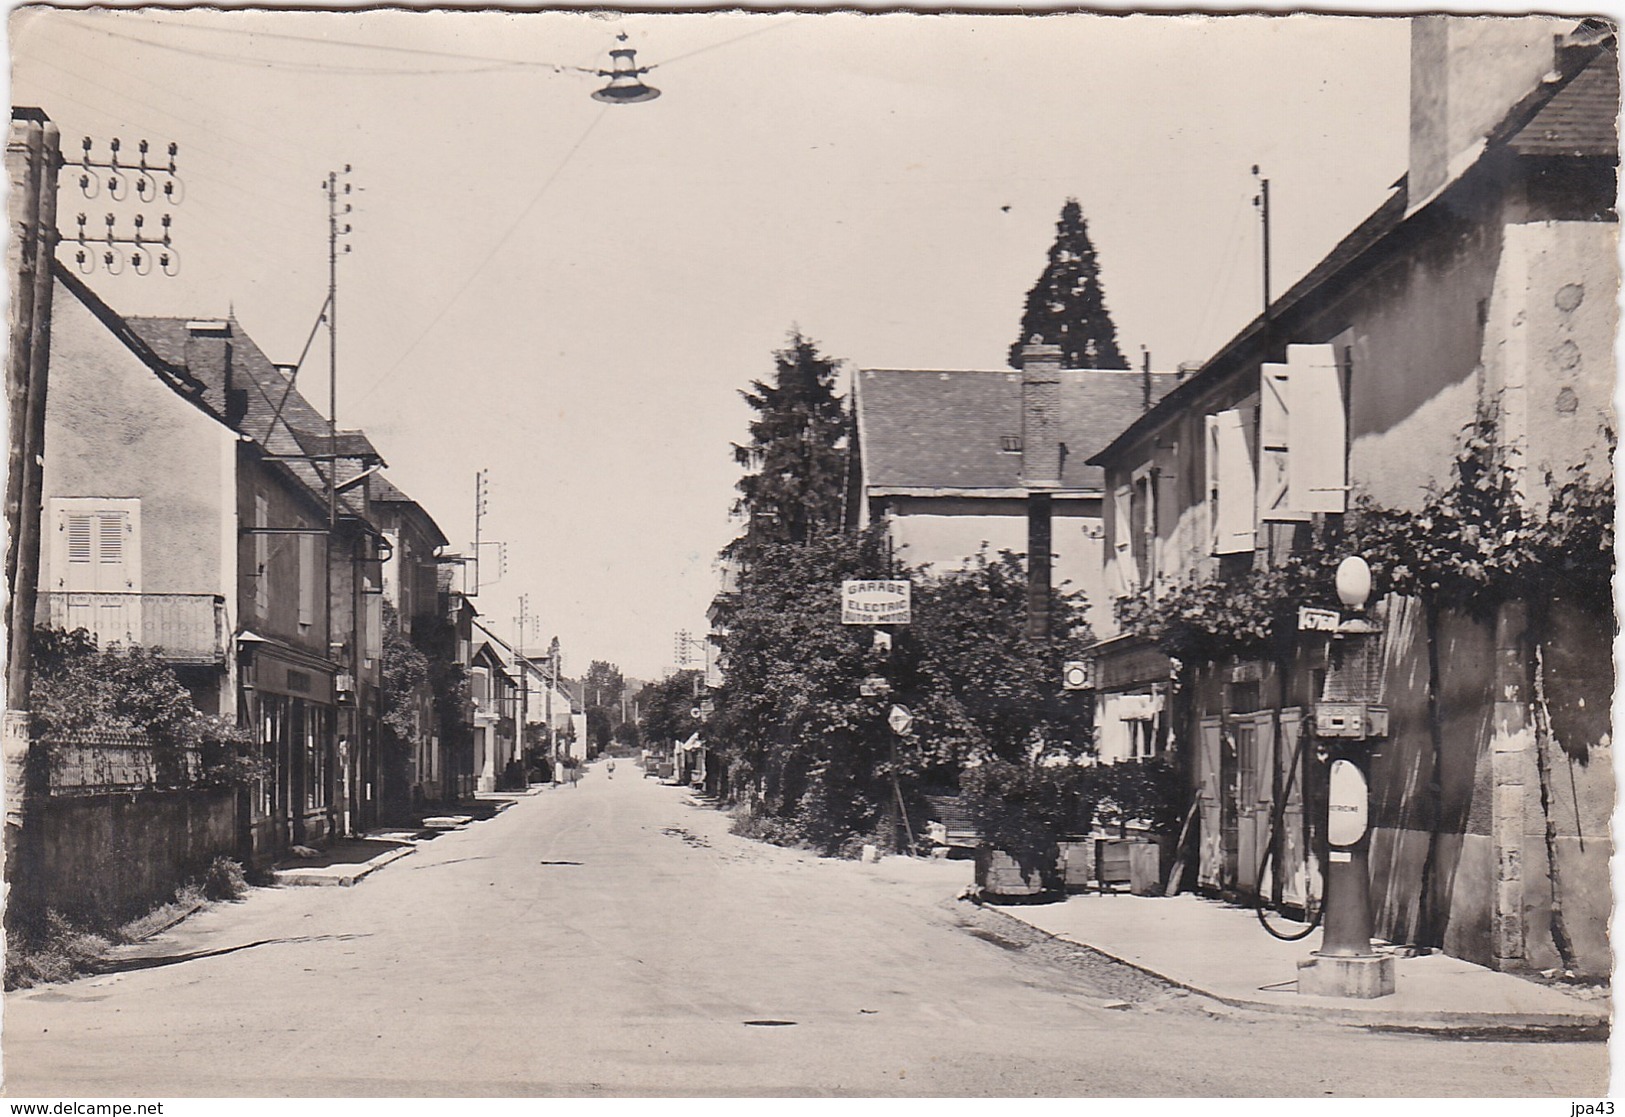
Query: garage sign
875	602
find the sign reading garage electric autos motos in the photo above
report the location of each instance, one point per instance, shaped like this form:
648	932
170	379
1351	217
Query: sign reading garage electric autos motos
874	602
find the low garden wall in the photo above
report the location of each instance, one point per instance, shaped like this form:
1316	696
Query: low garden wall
112	856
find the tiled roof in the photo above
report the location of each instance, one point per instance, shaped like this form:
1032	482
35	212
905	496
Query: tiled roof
385	491
1581	118
922	428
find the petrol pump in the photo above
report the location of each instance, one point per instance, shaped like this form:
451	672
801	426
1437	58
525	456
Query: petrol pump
1348	724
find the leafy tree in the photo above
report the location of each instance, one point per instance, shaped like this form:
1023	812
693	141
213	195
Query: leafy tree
806	744
796	456
598	728
666	709
1067	306
405	673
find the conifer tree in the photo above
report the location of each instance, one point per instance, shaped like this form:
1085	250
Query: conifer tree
797	453
1067	306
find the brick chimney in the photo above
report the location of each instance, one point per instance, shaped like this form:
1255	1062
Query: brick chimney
1040	415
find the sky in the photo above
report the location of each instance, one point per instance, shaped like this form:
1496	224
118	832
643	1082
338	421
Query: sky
572	295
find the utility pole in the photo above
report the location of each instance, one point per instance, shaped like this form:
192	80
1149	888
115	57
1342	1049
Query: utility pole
481	491
524	679
334	232
1262	201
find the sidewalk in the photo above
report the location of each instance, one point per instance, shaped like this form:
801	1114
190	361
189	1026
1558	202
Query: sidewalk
350	860
1219	950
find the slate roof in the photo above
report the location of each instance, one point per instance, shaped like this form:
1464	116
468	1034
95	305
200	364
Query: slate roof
385	491
276	416
1581	118
929	429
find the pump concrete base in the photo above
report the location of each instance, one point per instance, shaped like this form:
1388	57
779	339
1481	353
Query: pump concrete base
1323	975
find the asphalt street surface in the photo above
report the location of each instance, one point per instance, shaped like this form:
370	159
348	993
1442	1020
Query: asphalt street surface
614	939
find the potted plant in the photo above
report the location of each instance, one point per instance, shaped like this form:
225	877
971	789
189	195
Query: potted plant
1022	812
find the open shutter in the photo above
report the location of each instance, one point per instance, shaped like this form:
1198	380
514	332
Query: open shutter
1274	417
262	558
1232	483
307	579
1317	430
1123	528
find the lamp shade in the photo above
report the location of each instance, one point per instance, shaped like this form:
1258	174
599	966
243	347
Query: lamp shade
625	86
1353	582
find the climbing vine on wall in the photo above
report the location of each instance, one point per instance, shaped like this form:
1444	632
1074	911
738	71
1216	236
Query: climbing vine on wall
1473	544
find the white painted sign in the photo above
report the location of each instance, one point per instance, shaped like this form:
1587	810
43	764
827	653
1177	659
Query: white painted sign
1347	806
900	719
875	602
1318	620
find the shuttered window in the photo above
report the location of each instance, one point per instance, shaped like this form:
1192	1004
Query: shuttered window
262	558
1317	430
96	545
1128	574
1232	482
1275	503
307	579
80	534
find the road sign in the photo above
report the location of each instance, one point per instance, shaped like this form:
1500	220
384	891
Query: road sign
875	602
899	720
1076	675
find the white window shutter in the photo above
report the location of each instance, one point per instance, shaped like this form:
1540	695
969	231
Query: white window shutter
1274	470
1232	483
1123	528
1317	431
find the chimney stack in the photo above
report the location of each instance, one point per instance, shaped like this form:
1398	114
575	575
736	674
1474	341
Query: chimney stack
1040	415
1040	471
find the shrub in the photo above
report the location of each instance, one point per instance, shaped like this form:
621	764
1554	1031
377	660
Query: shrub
763	827
61	951
225	880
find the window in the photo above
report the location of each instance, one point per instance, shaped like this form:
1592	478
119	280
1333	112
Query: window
97	545
1010	444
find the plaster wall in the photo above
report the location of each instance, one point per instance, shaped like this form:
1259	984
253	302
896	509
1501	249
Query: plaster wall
285	508
114	429
947	532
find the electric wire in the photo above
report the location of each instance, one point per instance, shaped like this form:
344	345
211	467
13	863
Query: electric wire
486	259
383	47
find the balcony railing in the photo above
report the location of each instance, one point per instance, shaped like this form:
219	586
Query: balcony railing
185	627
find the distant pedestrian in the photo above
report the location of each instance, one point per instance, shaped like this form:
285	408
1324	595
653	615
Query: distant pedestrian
611	769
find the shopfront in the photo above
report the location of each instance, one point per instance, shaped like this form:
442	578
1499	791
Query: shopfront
290	696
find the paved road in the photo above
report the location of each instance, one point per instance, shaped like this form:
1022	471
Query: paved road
613	939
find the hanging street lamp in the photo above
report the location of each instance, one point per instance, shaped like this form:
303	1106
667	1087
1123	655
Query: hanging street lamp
626	86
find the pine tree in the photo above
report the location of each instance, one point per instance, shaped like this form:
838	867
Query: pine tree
797	451
1067	307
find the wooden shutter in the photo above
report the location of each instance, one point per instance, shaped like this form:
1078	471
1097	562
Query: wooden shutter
1123	538
307	579
1274	416
1317	430
1232	483
262	558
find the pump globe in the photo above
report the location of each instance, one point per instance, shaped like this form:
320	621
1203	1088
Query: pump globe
1353	582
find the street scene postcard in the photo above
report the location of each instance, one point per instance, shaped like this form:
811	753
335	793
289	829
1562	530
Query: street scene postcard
794	553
